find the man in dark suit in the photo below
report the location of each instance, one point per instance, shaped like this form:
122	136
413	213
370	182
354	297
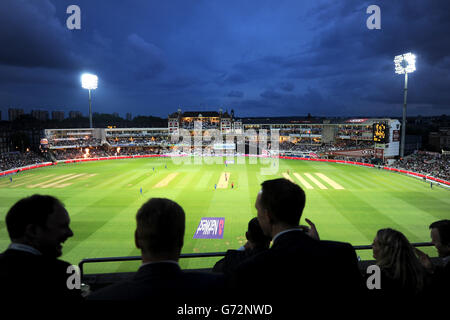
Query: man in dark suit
298	265
257	242
159	235
29	268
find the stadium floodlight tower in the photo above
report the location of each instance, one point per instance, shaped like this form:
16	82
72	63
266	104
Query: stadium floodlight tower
404	64
90	82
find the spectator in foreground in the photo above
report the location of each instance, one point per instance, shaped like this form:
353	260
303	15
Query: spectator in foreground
440	238
297	266
402	274
29	268
257	242
159	235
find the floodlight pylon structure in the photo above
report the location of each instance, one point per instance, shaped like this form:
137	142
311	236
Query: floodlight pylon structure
404	64
90	82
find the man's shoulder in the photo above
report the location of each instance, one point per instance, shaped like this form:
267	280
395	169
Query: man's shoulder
243	254
123	290
259	259
15	261
296	248
202	278
183	284
337	245
16	257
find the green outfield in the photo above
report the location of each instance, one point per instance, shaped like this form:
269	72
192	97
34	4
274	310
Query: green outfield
347	203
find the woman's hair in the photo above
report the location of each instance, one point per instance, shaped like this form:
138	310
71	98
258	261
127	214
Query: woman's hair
397	259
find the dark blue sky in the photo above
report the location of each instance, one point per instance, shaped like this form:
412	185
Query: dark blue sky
258	57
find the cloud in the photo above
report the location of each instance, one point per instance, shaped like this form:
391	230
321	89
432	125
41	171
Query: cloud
32	36
287	86
144	58
179	82
270	94
289	57
231	79
235	94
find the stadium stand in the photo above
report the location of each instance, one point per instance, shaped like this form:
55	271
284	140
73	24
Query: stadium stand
17	159
67	144
432	164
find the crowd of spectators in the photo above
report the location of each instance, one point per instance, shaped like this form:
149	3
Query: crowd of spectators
429	164
206	124
325	148
74	142
350	145
433	165
297	266
137	141
100	152
17	159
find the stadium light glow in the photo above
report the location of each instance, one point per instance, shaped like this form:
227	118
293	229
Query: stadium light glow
90	82
404	64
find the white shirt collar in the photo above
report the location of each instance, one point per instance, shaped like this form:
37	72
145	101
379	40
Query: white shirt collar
283	232
25	248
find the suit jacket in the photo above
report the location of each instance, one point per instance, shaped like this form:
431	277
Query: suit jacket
29	278
297	265
441	280
233	258
160	281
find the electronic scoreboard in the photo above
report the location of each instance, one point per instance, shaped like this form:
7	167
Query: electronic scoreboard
380	133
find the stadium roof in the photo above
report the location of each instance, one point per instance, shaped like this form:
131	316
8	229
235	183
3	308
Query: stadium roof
195	114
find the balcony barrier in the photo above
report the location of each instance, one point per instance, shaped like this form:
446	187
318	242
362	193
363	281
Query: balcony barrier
202	255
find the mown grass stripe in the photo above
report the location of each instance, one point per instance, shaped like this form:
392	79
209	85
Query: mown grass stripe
51	180
331	182
202	182
315	181
166	180
286	176
303	181
63	180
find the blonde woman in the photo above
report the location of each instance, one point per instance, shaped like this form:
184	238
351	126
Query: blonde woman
401	270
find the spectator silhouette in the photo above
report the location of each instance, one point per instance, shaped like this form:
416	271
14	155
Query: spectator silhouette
440	238
29	268
159	235
257	242
297	263
402	274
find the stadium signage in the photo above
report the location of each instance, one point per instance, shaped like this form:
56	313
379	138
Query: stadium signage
357	120
354	153
224	146
210	228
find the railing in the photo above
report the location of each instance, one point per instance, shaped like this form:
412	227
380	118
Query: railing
204	255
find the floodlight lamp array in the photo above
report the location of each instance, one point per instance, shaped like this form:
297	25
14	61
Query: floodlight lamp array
405	63
89	81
